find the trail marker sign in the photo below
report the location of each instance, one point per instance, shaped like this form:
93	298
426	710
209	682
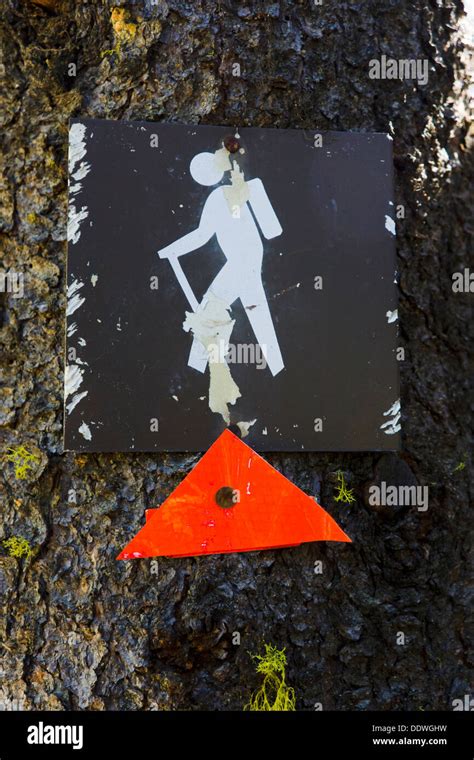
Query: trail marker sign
230	278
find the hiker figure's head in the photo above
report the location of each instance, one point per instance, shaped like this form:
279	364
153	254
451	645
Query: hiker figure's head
205	169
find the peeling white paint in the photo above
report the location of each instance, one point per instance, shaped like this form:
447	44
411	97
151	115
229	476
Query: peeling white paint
222	161
82	172
392	316
211	324
244	427
238	192
74	221
77	151
390	224
75	400
73	377
74	298
77	145
85	431
392	426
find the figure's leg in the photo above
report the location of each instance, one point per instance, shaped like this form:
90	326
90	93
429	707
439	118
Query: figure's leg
256	306
223	287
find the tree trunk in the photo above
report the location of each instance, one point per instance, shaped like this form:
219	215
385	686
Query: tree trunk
82	631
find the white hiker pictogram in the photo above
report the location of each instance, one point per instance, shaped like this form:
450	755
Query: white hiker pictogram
232	213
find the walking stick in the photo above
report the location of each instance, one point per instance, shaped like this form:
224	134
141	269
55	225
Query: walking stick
181	277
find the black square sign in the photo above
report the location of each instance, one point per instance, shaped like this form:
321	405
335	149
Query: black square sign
230	278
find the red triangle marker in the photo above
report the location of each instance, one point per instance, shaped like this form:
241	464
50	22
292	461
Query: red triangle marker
232	501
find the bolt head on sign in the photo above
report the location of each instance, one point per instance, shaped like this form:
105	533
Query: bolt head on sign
230	279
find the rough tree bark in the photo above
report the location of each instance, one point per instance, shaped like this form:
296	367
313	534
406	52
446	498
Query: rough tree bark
82	631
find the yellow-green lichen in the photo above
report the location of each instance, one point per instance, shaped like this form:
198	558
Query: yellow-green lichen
343	493
22	460
123	28
124	31
273	694
17	547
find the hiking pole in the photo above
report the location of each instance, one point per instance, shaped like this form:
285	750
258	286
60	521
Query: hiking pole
181	277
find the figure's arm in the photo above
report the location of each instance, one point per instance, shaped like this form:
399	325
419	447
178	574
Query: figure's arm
192	240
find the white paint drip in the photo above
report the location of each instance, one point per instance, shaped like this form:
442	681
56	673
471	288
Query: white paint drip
244	427
390	224
238	192
212	326
392	426
94	278
392	316
75	400
74	298
85	431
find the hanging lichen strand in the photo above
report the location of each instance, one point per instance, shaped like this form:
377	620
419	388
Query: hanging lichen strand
273	694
